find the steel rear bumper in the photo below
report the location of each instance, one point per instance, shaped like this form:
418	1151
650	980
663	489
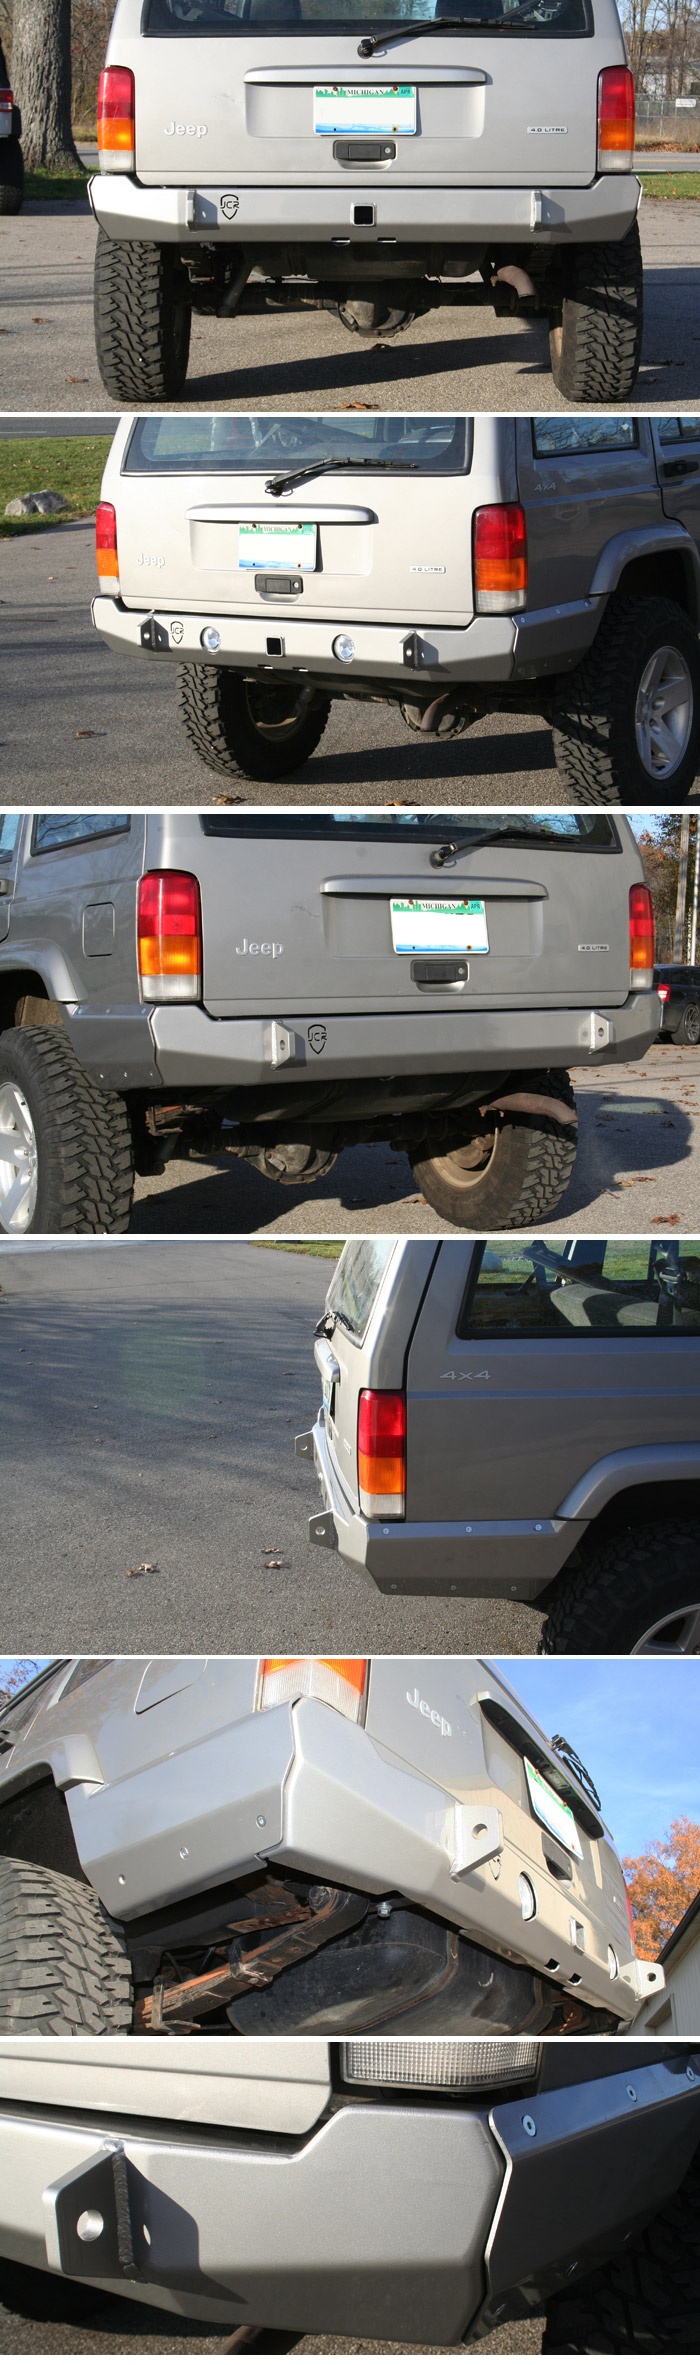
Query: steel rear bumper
412	2225
481	651
422	215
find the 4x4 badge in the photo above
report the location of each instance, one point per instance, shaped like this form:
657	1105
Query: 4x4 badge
317	1038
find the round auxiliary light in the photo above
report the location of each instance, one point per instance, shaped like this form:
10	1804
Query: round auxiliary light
344	648
210	639
528	1900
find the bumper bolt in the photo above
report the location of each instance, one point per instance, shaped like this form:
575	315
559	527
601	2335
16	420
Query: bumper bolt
529	2127
632	2091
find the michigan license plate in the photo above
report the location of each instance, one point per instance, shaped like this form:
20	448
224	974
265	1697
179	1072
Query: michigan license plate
552	1810
291	547
422	926
372	107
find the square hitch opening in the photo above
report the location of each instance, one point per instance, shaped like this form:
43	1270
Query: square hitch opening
364	215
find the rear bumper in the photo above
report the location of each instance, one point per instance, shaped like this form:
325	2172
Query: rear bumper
304	1787
286	215
514	1559
181	1045
387	2222
483	651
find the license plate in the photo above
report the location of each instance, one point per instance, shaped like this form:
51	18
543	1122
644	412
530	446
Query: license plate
291	547
361	108
552	1810
420	926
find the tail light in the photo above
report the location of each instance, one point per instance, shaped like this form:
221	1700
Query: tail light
116	120
641	937
451	2063
169	937
106	546
500	559
664	993
342	1683
615	119
6	101
381	1453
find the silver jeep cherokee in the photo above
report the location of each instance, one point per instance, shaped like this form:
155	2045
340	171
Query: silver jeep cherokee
278	985
284	1845
450	565
519	1418
373	161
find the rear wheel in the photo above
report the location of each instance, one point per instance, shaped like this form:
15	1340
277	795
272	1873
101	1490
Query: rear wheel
244	729
626	723
689	1029
636	1592
11	176
143	316
645	2302
512	1170
595	337
66	1153
62	1970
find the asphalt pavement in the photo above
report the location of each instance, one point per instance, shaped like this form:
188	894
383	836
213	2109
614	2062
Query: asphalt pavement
150	1393
454	358
82	725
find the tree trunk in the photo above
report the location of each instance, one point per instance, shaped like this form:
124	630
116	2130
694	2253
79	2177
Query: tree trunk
41	81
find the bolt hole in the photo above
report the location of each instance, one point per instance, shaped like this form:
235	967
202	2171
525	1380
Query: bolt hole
90	2225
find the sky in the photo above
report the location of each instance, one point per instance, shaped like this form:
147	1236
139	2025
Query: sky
634	1722
636	1725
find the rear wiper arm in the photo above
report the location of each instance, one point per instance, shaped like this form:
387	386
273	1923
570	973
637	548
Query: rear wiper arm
424	24
468	844
286	484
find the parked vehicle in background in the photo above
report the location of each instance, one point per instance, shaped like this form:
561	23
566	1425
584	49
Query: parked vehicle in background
277	985
380	2189
519	1418
11	158
678	990
296	1845
454	567
471	143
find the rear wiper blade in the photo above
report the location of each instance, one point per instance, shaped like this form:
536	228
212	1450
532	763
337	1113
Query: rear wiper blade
424	24
469	843
286	484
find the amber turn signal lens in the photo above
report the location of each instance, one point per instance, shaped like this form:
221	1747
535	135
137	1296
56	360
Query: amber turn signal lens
341	1683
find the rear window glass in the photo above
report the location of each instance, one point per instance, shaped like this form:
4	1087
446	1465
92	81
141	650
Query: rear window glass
578	1288
357	1280
544	19
236	444
572	832
53	830
9	832
563	439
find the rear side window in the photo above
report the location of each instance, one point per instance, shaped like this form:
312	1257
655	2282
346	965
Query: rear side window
578	1288
546	20
685	430
237	443
356	1282
563	438
9	833
53	830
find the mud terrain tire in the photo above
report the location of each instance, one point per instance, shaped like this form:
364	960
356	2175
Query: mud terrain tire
85	1158
624	1585
595	339
143	317
527	1174
594	708
645	2302
62	1970
217	712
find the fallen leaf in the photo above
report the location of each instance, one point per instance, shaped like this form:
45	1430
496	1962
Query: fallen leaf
143	1568
665	1219
276	1564
91	734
